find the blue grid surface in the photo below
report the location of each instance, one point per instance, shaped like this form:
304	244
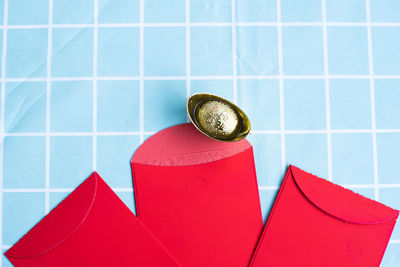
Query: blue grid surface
84	82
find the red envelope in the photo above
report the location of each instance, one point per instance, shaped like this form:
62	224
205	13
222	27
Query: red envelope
198	196
317	223
91	227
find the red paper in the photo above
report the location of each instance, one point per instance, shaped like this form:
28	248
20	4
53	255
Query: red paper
198	196
91	227
317	223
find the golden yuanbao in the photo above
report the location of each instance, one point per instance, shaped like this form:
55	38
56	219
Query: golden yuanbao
217	118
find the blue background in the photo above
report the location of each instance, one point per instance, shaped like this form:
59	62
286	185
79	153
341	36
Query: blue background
84	82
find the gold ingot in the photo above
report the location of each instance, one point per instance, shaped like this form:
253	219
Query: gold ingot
217	118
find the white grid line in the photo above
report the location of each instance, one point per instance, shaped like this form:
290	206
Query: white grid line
207	24
372	99
77	133
48	97
57	190
327	92
94	97
129	189
281	92
372	186
326	131
234	52
188	72
216	77
141	72
2	116
343	131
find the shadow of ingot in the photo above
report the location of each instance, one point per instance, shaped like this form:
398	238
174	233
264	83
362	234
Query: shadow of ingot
217	118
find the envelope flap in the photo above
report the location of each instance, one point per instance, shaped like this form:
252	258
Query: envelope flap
59	224
340	202
184	145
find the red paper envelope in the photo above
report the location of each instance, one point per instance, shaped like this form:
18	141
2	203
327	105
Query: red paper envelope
316	223
198	196
91	227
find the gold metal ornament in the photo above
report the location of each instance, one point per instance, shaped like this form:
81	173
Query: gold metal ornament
217	118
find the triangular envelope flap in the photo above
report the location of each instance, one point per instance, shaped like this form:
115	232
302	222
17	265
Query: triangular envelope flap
340	202
183	144
59	224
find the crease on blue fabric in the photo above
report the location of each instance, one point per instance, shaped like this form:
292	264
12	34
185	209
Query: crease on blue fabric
68	41
44	62
105	6
22	109
253	66
15	121
209	4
